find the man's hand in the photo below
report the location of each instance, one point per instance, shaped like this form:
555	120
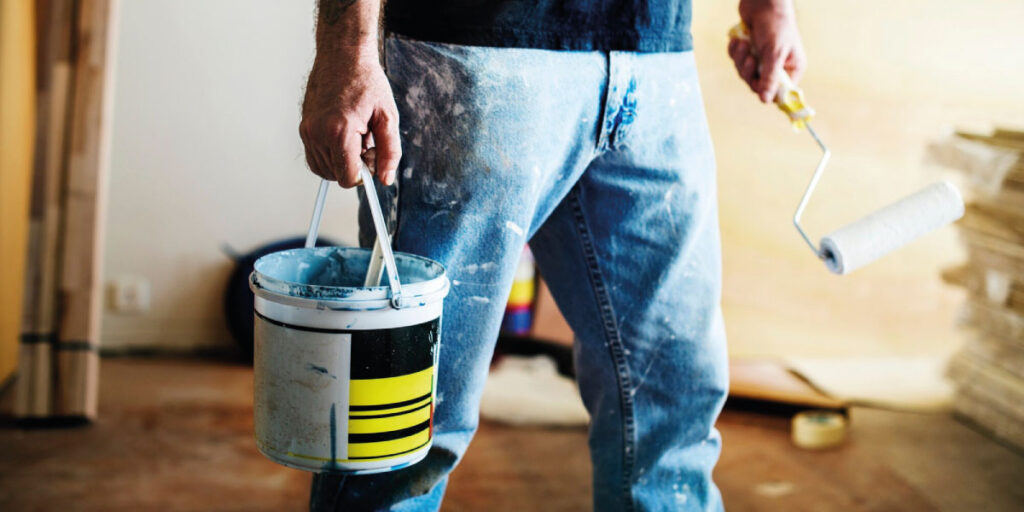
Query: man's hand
774	46
349	107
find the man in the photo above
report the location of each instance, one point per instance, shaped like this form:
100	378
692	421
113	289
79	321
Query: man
576	125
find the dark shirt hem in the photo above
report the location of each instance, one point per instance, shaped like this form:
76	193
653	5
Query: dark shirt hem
515	37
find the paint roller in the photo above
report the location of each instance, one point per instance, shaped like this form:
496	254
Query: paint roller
869	238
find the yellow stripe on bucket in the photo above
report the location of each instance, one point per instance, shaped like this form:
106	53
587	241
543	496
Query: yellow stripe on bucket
357	425
390	390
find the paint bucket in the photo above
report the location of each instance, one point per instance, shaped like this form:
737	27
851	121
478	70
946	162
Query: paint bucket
345	374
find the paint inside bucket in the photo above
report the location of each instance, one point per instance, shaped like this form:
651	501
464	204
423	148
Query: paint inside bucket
335	272
344	381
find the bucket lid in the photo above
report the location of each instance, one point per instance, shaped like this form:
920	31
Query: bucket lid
335	276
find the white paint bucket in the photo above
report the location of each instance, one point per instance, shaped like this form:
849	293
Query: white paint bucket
345	375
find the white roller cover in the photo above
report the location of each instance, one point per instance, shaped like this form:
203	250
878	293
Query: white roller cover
892	227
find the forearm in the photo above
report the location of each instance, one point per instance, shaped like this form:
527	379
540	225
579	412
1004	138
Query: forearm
348	106
347	27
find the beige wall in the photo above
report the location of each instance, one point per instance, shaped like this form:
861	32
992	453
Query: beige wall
886	77
205	152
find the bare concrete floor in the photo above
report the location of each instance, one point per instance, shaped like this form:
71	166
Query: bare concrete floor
177	435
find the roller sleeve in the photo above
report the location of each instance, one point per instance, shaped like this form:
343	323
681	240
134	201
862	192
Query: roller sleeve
865	240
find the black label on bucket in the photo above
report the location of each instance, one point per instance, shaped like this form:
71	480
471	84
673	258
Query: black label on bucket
380	353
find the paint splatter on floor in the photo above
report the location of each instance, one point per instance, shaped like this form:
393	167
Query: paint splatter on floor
774	489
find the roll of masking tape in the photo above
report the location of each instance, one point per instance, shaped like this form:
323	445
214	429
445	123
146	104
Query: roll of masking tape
818	430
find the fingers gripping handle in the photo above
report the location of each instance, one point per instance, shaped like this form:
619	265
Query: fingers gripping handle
383	244
790	98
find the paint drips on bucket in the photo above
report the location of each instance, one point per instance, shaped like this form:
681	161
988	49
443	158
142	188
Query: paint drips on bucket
330	273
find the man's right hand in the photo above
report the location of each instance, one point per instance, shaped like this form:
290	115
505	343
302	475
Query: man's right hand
349	107
774	46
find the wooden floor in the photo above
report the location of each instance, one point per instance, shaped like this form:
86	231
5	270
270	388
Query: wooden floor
177	435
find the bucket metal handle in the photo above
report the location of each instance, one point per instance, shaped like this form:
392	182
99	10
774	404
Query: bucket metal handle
383	244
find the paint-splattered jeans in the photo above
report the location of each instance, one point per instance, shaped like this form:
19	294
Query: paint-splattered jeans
602	161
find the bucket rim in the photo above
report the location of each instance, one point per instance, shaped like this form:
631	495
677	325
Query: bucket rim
361	300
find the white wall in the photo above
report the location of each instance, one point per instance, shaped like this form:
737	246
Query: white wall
205	152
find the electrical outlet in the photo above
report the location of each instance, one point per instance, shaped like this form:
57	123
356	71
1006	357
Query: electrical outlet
129	294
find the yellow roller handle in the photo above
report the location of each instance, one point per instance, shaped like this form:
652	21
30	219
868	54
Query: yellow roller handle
790	98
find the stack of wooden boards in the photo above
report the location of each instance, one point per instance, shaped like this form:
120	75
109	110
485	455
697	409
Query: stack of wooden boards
58	369
989	370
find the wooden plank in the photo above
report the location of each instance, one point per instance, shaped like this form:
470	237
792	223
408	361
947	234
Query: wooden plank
34	396
996	139
977	375
35	390
980	410
993	252
986	167
1007	133
88	155
991	285
54	162
1005	354
998	322
995	220
77	387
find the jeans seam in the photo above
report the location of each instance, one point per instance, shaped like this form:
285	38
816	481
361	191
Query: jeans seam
615	347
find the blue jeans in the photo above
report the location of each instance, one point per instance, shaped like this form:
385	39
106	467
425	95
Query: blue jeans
602	161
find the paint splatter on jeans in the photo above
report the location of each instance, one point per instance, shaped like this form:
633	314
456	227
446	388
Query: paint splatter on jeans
602	160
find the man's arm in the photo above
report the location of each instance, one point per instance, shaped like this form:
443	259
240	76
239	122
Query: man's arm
349	106
774	46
